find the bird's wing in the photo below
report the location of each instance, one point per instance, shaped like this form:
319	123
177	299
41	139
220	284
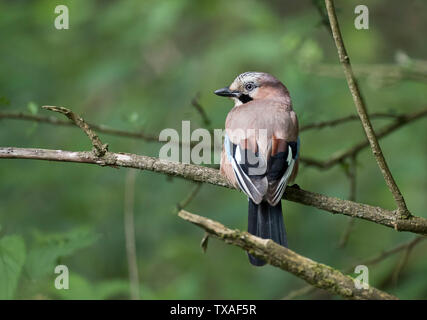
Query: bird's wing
262	169
249	169
281	166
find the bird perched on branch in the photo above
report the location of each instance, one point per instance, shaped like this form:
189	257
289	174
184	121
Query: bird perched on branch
260	152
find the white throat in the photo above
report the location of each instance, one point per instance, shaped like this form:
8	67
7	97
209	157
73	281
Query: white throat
237	102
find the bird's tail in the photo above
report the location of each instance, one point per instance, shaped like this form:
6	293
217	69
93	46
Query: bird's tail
266	221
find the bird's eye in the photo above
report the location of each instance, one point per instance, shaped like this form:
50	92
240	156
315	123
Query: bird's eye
249	86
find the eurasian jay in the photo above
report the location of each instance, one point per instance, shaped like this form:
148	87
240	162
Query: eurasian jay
260	152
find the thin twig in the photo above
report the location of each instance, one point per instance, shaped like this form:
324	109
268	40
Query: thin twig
184	203
361	110
316	274
342	120
386	73
385	254
323	14
351	174
196	104
99	128
204	242
404	261
338	157
130	233
99	148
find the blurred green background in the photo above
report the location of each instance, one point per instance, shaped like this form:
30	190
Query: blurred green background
136	65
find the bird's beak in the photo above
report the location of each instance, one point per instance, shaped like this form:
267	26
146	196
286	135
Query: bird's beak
226	92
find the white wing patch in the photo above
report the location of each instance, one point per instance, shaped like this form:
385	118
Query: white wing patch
281	186
245	183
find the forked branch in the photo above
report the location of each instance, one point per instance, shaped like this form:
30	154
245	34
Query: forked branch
361	110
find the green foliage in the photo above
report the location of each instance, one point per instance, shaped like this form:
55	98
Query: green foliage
80	288
47	250
39	260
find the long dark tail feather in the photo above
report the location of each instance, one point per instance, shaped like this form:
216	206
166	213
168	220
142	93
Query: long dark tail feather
266	221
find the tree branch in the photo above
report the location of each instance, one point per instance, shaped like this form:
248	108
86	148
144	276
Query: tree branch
361	110
401	120
340	156
99	128
208	175
316	274
387	73
99	148
342	120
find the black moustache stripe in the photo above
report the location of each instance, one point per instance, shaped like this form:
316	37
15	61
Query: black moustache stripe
245	98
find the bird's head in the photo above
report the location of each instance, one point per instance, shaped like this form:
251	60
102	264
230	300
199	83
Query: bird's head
250	86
